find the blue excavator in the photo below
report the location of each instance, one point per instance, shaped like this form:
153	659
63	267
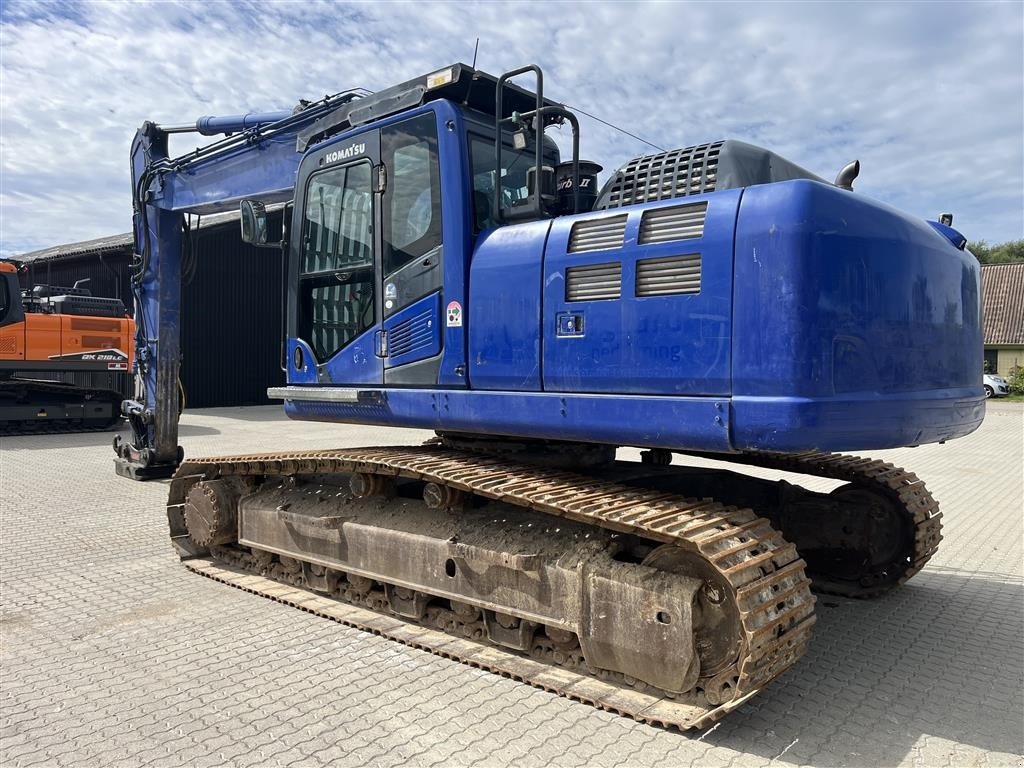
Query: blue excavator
447	268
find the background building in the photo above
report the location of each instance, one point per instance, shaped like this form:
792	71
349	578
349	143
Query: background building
1002	292
231	308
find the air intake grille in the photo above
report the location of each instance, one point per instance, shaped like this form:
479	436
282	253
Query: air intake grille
593	282
674	274
679	222
412	335
681	172
597	234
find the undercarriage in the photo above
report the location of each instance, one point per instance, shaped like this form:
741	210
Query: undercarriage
31	406
670	594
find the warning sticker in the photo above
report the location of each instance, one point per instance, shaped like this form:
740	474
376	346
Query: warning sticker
454	314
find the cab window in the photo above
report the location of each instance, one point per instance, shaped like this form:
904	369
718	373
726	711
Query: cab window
336	228
412	199
336	275
514	176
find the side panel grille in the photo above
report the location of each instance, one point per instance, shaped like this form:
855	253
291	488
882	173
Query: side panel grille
593	282
679	222
597	234
83	324
412	335
674	274
681	172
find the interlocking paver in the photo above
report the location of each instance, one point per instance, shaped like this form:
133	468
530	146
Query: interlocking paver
113	654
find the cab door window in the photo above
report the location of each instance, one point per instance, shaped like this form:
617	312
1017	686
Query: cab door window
336	267
412	210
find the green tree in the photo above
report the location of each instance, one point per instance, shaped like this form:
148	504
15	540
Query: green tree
1004	253
1016	380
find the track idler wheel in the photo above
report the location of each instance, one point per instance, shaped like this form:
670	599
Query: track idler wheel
210	512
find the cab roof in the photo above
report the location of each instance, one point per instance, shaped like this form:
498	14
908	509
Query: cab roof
459	83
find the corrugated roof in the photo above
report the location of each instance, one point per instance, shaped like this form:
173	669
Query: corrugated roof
115	243
1002	299
101	245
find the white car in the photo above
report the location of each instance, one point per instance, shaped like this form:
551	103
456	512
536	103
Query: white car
996	386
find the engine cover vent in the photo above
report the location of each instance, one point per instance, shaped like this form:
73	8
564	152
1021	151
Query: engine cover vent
598	234
712	167
679	222
678	173
670	275
593	282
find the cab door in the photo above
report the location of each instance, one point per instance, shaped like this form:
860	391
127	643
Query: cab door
335	306
12	316
412	252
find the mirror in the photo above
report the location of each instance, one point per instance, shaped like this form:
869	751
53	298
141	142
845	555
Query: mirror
254	222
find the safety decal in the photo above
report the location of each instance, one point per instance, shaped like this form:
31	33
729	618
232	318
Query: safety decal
454	314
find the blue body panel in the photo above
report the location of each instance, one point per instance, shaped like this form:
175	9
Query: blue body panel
671	344
504	308
356	363
699	423
456	218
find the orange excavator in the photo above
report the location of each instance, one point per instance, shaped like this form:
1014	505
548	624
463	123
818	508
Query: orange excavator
55	329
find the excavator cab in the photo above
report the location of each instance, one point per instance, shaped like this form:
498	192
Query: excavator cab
10	295
384	225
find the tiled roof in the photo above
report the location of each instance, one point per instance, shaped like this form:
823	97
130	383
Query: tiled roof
1002	299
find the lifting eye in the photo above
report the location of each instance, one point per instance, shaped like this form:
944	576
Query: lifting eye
297	359
663	618
449	568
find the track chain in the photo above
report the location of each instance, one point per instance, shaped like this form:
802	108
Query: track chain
59	426
902	487
764	572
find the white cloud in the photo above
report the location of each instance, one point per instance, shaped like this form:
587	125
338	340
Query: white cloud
929	97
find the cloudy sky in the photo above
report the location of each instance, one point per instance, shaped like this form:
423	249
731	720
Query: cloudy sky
930	97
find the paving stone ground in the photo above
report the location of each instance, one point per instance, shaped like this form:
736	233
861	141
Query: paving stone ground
113	654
